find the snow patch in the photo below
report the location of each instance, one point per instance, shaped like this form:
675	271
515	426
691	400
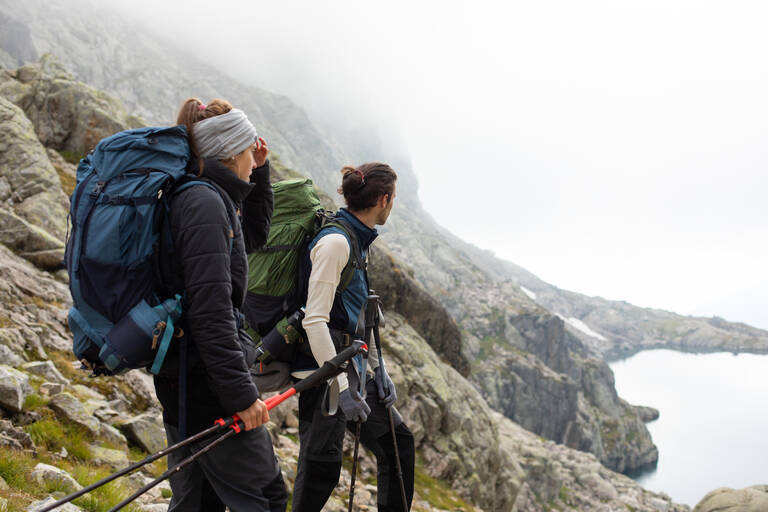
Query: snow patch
528	292
578	324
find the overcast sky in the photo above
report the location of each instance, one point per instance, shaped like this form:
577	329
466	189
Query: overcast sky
612	148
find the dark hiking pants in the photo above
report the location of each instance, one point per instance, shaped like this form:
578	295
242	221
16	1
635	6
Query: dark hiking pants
320	450
241	473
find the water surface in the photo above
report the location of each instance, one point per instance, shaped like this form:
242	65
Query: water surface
713	428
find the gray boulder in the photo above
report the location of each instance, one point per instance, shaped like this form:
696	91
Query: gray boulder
46	370
116	459
14	438
33	242
647	414
9	356
146	431
71	409
34	312
751	499
67	114
114	436
50	388
14	388
50	476
34	212
42	504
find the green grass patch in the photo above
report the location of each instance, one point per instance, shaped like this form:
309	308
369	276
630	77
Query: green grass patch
72	157
102	498
14	468
55	435
435	492
34	402
63	363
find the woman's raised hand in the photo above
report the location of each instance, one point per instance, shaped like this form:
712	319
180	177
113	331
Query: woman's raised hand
260	152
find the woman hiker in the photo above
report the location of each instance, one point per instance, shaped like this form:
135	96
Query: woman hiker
209	263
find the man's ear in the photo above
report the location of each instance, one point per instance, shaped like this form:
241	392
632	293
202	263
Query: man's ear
384	200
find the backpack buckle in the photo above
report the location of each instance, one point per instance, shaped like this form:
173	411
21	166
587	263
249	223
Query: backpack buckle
97	189
159	328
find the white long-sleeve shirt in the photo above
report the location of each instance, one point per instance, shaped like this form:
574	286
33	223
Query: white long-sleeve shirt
329	256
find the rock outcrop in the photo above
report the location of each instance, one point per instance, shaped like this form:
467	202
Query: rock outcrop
33	208
751	499
67	115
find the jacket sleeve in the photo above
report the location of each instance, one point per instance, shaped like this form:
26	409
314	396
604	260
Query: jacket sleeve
202	234
257	209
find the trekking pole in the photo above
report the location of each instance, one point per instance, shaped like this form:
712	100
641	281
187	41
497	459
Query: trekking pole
330	368
369	318
377	340
235	428
220	423
354	466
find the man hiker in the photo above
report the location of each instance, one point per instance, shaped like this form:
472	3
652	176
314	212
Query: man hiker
331	321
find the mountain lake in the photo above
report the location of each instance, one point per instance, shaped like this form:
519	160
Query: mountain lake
713	426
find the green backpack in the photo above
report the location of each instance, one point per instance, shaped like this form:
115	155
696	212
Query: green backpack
278	272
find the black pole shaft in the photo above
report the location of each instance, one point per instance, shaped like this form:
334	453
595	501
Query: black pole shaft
132	467
354	466
377	341
173	470
397	460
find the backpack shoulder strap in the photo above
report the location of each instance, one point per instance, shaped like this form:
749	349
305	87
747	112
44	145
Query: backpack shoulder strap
188	181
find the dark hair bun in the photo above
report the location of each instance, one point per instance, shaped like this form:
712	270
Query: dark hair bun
364	185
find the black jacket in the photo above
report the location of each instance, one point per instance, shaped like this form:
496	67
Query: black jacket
208	261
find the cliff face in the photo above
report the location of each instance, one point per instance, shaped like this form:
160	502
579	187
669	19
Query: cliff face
523	359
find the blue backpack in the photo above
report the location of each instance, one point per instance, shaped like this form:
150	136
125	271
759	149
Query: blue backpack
118	211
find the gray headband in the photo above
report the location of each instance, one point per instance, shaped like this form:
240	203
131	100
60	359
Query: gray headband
223	136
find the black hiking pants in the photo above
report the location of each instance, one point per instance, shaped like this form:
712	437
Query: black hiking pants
320	450
241	473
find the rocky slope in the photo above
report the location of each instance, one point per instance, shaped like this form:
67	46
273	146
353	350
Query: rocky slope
57	417
62	429
101	49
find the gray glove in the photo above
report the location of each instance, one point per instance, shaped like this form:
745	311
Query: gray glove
385	386
353	406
